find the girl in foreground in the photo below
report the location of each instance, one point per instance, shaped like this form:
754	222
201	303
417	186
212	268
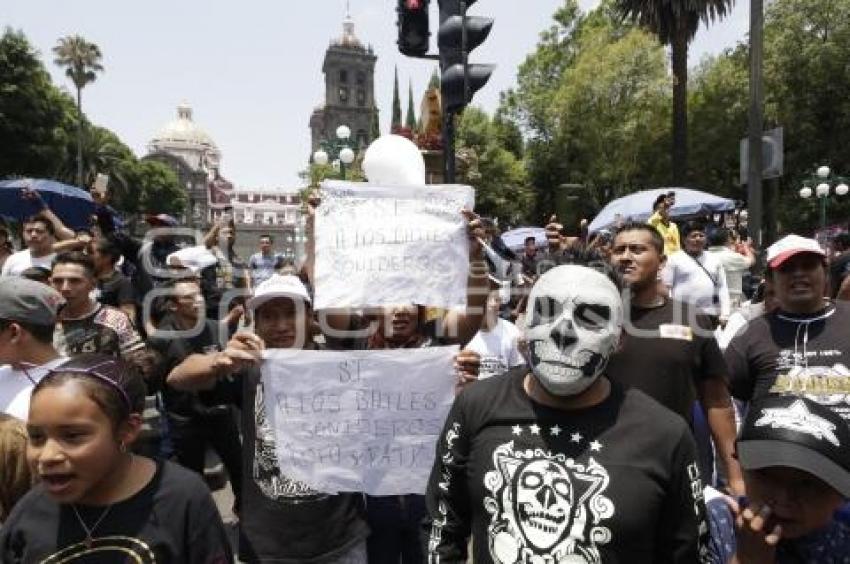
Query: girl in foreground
96	501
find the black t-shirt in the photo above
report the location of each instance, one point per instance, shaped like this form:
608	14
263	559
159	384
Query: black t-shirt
784	353
665	355
282	520
172	520
176	350
116	291
616	482
838	271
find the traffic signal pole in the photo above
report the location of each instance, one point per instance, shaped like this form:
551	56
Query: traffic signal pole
458	35
449	129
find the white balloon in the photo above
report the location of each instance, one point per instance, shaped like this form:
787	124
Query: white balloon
393	160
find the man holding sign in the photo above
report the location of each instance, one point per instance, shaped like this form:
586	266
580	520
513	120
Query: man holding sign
282	520
286	519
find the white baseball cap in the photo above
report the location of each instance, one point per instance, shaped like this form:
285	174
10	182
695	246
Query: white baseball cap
789	246
279	286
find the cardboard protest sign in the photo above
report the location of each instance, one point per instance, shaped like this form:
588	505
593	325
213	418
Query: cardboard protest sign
363	421
378	246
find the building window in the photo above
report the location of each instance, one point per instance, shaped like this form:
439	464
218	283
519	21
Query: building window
361	78
343	76
362	138
361	97
343	95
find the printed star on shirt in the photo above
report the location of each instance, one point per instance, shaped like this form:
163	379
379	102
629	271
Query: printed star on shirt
575	438
555	431
517	430
596	446
535	429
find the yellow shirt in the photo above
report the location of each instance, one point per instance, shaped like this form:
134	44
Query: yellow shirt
669	232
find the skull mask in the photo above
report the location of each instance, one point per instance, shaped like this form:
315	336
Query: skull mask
575	317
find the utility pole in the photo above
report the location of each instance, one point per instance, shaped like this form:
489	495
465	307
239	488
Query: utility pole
754	179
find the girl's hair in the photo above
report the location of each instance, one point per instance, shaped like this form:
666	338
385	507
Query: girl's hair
15	478
114	385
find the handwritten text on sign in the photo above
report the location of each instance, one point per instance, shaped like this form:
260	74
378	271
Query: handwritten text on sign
380	246
364	421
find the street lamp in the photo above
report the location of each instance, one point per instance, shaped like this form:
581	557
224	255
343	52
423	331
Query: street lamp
823	181
336	150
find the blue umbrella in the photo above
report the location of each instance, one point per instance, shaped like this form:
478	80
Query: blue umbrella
73	205
638	206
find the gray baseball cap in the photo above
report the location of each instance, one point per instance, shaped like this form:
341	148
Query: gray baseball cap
28	301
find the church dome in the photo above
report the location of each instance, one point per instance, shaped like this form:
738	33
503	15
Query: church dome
183	138
183	131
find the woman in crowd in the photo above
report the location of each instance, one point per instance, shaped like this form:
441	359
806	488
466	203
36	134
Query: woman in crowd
96	500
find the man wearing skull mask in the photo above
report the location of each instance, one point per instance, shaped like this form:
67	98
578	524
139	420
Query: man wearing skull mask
556	463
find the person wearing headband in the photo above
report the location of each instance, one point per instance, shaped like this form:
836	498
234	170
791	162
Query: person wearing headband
94	496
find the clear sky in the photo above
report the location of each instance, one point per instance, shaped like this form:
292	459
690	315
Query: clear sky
251	70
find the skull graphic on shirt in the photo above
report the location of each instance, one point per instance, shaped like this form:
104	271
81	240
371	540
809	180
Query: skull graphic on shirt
546	507
544	501
574	320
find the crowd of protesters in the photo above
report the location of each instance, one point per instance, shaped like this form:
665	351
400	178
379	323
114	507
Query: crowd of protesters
638	394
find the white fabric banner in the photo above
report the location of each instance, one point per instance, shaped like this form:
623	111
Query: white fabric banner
358	421
378	246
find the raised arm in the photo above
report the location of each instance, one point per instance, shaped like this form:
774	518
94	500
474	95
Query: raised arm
201	371
460	326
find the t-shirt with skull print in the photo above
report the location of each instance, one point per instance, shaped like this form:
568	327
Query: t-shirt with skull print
616	482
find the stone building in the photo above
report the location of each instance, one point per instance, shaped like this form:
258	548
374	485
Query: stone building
188	150
349	69
191	152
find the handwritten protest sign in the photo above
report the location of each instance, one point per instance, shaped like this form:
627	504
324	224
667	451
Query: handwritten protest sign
362	421
379	246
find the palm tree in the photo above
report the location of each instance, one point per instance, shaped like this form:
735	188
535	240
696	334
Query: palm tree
675	22
81	60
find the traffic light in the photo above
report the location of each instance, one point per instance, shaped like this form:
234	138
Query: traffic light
413	33
458	36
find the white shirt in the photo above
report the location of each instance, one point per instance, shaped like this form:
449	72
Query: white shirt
16	387
498	348
735	265
22	260
697	285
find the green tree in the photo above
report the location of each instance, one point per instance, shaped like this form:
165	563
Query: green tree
81	61
395	124
675	23
807	44
502	189
593	103
155	189
410	119
718	107
34	115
